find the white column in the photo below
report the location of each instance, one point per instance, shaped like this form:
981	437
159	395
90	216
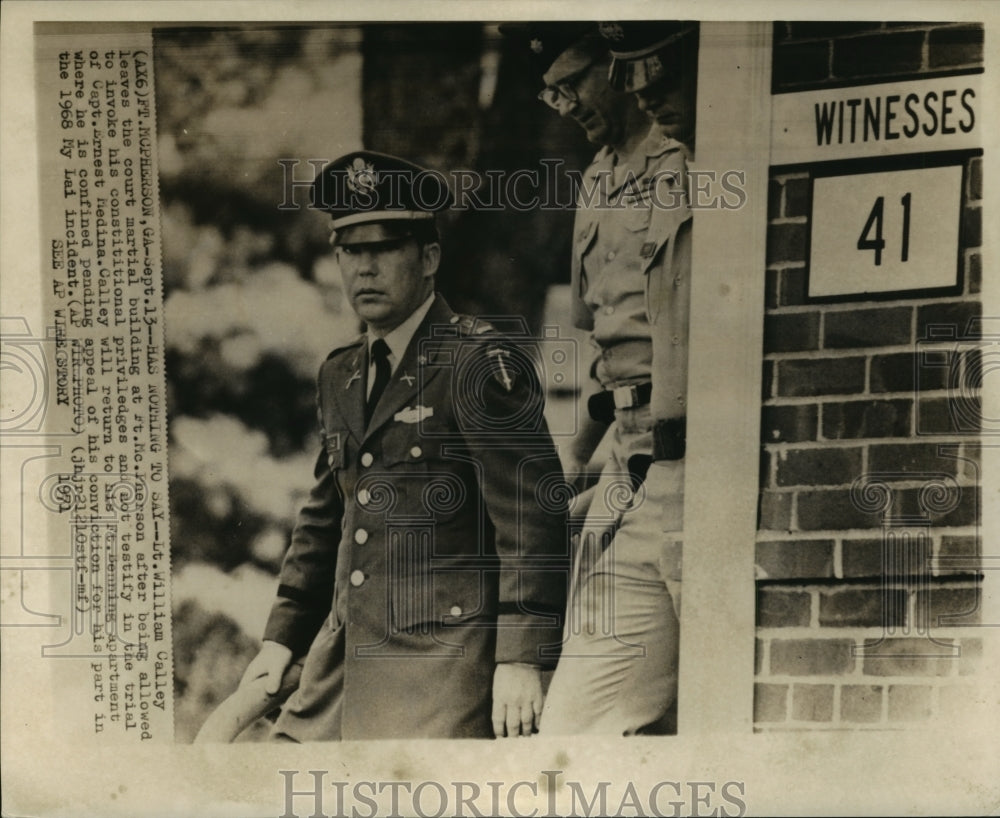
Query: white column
727	313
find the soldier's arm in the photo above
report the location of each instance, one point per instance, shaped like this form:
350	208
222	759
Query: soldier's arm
304	598
668	282
305	590
523	486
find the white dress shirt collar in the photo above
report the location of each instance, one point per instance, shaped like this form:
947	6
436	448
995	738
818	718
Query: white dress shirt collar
399	338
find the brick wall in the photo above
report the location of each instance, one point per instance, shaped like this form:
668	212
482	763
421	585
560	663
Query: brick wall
867	546
813	54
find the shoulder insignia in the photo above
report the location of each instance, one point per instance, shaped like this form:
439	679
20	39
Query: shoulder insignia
469	325
501	368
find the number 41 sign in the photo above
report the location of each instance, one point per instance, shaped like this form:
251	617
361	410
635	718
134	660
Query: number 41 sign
885	232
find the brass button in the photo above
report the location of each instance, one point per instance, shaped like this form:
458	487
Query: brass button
611	255
364	497
416	451
357	578
367	459
608	310
360	536
456	610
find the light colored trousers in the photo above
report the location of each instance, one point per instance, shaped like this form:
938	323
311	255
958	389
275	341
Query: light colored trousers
618	668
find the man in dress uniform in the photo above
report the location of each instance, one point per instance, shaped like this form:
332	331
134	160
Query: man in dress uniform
426	576
630	276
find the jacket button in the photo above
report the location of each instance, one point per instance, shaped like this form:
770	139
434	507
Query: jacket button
456	610
367	459
608	310
363	496
360	536
357	578
416	451
611	255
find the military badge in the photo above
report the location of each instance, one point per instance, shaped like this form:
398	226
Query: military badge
361	175
502	371
414	415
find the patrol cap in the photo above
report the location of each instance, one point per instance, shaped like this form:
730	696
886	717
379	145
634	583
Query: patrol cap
366	187
645	51
557	50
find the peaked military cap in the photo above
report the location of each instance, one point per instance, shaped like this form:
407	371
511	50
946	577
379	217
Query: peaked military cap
645	51
557	50
365	186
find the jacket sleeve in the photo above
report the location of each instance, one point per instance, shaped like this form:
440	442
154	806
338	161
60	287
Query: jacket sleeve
525	493
305	590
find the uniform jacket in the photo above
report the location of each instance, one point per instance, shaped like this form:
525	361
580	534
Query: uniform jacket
433	544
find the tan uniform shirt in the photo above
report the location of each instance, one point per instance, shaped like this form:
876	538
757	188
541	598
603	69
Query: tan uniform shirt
631	270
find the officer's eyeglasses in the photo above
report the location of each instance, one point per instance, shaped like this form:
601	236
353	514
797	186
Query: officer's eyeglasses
564	92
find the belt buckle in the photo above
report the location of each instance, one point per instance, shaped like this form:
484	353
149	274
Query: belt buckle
625	397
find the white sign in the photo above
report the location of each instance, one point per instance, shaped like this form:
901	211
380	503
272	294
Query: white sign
938	114
885	232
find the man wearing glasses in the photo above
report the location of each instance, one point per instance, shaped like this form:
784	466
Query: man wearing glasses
630	279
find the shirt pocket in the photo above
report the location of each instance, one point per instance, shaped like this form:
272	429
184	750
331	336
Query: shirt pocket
430	481
410	445
636	214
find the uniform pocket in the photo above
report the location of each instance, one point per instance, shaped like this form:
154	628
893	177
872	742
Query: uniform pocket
636	215
439	597
411	443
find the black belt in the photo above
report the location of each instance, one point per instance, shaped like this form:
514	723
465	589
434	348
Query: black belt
669	439
602	405
669	442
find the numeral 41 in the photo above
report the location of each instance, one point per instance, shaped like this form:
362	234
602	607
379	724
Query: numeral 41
876	243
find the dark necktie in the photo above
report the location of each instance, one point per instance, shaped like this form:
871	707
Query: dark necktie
380	356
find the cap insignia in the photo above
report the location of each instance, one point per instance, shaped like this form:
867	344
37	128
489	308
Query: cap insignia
361	175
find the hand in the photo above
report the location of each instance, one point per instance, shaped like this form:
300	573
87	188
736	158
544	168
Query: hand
269	666
517	699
